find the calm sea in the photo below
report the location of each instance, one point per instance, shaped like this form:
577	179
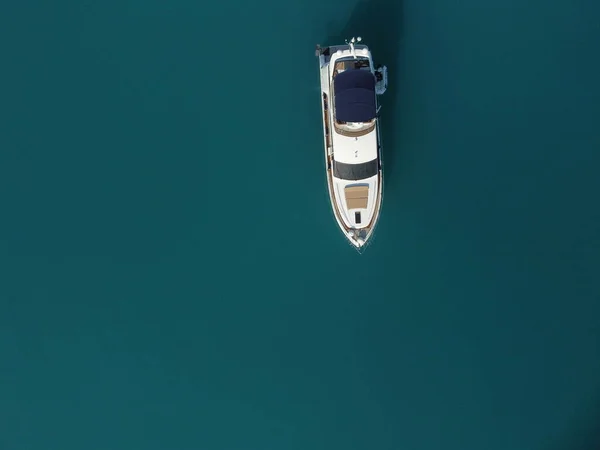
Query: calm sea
171	275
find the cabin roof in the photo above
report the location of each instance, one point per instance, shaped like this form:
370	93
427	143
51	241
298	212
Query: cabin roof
354	91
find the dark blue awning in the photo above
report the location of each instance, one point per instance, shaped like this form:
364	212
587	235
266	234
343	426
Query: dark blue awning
354	95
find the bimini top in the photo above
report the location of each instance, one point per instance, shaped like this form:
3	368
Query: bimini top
354	95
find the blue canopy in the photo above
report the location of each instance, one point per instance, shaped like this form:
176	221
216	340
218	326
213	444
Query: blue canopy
354	95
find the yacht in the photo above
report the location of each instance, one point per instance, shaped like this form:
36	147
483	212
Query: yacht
350	84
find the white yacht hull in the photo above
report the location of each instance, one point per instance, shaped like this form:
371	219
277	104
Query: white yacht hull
355	199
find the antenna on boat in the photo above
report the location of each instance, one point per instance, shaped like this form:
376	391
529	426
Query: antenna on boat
351	44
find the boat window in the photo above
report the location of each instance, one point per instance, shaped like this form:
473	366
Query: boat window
354	129
355	171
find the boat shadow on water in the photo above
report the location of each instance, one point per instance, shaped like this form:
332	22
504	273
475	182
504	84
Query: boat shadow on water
583	433
380	24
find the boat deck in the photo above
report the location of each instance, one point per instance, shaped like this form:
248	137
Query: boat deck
346	64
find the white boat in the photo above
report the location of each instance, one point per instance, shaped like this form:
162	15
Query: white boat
350	84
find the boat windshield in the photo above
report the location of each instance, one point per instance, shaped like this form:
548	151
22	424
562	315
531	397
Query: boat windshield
355	171
354	129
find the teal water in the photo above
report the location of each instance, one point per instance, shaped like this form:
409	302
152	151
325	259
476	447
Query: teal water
131	319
